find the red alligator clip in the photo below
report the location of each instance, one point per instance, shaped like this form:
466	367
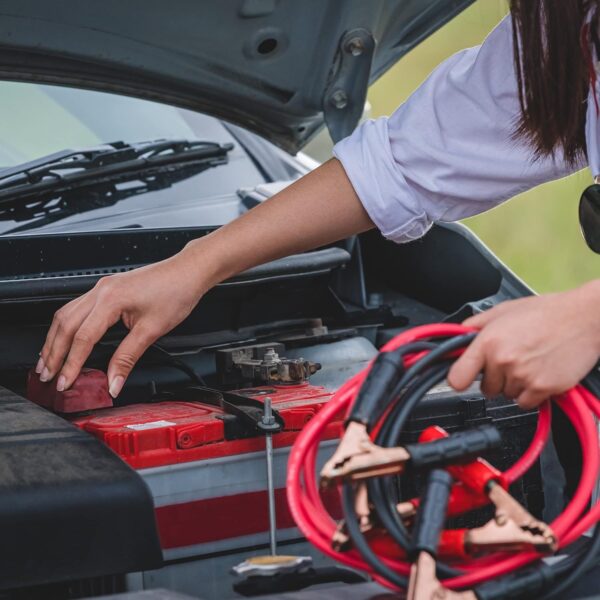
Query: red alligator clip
512	529
452	545
461	500
474	477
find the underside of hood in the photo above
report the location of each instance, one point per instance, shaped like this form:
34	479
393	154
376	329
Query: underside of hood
280	68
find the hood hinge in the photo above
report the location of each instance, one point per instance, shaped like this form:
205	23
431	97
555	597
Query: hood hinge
346	93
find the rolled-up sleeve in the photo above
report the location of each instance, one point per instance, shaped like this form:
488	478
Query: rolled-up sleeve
449	151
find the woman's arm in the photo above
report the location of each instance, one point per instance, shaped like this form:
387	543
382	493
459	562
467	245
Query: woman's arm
320	208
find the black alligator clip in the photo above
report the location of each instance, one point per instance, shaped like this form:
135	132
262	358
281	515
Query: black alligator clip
431	515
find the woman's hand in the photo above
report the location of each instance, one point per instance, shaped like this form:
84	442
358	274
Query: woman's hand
534	347
150	301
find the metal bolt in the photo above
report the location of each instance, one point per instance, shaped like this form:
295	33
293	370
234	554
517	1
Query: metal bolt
375	299
355	46
339	99
270	356
268	418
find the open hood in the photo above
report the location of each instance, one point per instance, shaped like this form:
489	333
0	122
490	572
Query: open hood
278	67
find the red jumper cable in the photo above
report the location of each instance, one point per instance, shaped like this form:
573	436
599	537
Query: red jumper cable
359	458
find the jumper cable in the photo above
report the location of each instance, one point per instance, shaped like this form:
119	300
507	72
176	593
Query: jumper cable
378	402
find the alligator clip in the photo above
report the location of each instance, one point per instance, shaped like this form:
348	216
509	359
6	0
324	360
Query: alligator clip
512	529
508	536
357	457
472	478
462	500
341	541
424	584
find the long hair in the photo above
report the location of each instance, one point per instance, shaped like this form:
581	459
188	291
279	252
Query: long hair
553	62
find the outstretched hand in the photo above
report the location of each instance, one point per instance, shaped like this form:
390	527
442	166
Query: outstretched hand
150	301
533	348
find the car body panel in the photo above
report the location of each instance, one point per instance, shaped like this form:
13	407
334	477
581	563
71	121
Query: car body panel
268	65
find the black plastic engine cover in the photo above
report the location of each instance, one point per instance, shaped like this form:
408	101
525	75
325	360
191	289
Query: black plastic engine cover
69	507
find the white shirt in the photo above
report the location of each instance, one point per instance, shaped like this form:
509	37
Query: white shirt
448	152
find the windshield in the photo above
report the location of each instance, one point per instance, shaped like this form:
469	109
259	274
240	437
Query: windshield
42	119
37	120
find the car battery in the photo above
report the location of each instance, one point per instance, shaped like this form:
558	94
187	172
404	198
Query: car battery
207	477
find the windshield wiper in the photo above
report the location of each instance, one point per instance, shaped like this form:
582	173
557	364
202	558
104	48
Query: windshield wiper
69	169
49	208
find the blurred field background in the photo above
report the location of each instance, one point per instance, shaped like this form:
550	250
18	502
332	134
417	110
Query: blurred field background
536	233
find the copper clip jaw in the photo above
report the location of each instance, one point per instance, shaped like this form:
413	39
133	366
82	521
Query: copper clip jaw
512	519
375	462
354	441
505	537
341	541
357	458
407	510
424	585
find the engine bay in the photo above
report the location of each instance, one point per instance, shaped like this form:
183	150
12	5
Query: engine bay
360	291
189	417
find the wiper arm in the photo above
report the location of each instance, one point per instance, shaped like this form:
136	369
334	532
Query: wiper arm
68	169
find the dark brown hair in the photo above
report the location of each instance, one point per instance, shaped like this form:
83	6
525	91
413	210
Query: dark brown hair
553	73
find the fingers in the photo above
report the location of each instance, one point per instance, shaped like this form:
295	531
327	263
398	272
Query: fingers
82	342
127	354
513	389
467	367
480	320
493	381
531	398
65	323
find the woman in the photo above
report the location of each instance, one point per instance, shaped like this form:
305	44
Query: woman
490	122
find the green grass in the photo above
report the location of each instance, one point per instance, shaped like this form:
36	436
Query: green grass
537	233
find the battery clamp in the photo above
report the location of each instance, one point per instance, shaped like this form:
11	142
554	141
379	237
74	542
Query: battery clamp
404	545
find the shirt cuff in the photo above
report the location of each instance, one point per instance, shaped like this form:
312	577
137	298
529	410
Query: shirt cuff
367	158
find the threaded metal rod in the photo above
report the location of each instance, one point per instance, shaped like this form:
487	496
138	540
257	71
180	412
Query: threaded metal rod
268	420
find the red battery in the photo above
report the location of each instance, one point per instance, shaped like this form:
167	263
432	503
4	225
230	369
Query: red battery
209	491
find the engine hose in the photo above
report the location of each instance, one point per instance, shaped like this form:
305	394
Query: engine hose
423	356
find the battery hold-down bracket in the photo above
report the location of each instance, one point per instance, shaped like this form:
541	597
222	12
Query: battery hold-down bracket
243	416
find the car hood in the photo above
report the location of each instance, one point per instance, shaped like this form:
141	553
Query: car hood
281	68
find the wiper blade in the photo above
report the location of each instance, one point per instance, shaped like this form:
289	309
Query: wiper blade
49	208
68	169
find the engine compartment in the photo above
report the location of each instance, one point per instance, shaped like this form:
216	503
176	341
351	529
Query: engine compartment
294	329
364	289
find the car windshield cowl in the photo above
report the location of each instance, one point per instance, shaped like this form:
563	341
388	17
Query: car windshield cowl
68	169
